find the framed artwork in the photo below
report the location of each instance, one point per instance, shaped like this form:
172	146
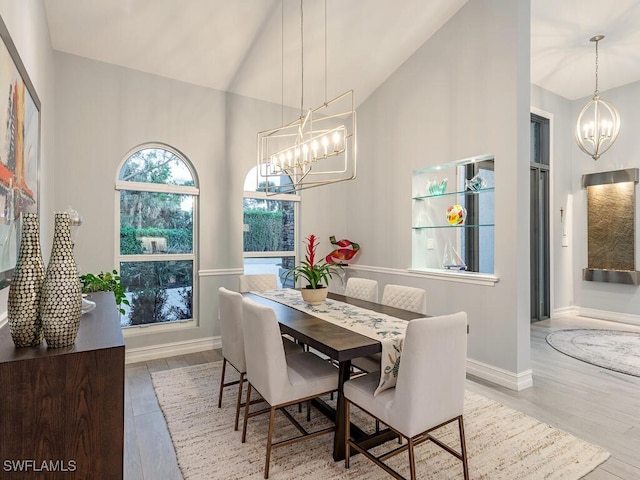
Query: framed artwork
19	151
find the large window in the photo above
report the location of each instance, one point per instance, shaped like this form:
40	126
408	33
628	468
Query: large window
156	195
269	228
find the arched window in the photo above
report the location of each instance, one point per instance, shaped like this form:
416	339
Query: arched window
156	198
270	233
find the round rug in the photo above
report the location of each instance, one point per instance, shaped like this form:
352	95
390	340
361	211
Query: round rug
611	349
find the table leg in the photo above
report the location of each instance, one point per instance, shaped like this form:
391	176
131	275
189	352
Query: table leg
339	448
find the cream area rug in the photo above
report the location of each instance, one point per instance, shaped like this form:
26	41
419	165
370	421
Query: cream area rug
502	443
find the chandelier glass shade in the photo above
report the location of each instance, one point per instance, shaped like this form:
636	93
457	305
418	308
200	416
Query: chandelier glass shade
598	124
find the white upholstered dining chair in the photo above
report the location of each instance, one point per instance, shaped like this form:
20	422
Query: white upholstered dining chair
362	288
280	379
399	296
257	282
406	298
230	315
429	392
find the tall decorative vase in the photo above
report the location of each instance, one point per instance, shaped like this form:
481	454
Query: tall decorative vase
23	309
61	292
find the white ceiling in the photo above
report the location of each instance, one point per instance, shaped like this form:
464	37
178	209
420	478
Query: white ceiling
237	46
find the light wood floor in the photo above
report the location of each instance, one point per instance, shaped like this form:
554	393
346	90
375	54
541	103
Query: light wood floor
597	405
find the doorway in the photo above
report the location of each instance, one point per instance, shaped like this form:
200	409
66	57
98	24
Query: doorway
539	228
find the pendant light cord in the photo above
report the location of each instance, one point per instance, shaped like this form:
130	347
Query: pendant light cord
325	52
301	59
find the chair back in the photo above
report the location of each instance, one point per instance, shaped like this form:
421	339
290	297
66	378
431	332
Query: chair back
258	282
230	315
266	362
406	298
431	378
362	288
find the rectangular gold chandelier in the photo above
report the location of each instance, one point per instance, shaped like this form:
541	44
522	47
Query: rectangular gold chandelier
318	148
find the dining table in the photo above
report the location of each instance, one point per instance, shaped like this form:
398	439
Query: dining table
341	345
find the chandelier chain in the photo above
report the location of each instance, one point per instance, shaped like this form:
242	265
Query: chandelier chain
596	92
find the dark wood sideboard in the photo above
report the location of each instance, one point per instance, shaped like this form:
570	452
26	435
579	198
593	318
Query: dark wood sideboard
62	409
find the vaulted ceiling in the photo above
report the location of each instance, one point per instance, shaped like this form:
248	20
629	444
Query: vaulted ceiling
253	47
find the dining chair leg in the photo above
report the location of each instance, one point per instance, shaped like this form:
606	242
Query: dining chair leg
412	460
246	413
463	448
224	367
272	415
239	401
347	432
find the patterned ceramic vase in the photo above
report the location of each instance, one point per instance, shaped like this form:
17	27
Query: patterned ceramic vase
23	309
61	292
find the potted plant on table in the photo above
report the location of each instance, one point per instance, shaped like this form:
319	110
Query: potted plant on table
317	274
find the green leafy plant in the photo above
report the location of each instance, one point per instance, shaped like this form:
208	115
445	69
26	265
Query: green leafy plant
105	282
315	273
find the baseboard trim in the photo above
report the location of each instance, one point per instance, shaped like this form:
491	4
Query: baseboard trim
504	378
607	315
143	354
565	312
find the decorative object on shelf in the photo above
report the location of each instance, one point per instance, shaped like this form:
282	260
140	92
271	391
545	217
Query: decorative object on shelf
598	124
346	251
61	292
75	222
315	273
451	260
318	148
25	324
456	214
475	183
437	188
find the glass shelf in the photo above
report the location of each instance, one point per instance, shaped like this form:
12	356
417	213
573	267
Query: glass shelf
447	194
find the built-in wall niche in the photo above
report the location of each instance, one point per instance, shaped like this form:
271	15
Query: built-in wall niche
611	230
453	217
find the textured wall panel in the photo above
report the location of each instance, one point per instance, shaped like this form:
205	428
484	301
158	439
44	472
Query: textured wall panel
610	214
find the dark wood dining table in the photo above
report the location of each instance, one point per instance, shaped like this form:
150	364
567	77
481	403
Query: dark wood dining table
341	345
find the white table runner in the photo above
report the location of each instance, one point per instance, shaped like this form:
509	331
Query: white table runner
389	331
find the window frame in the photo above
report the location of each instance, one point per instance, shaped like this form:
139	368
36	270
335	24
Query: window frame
194	191
292	196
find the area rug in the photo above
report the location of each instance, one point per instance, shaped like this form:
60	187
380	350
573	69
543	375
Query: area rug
611	349
502	443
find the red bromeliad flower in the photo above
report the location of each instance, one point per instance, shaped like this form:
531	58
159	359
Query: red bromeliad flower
312	244
316	274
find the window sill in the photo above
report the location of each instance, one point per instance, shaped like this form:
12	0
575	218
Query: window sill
457	276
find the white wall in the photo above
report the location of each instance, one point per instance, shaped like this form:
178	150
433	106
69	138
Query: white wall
465	92
606	300
27	25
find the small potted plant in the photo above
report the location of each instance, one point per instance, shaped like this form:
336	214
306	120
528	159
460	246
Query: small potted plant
317	274
105	282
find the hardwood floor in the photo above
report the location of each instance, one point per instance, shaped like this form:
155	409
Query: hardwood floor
597	405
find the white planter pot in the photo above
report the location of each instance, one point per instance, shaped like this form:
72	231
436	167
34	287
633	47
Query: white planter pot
314	296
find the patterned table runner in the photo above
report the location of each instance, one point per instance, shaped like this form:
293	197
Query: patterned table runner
389	331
